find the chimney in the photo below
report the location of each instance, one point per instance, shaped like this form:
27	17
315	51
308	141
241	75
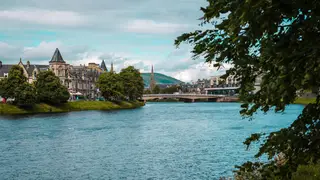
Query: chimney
0	64
28	64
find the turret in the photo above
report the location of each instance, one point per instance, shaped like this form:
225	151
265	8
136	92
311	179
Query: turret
57	58
103	66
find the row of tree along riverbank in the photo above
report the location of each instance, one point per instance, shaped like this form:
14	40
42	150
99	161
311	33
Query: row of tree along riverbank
9	109
47	94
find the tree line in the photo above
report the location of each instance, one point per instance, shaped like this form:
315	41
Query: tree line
168	90
127	85
47	88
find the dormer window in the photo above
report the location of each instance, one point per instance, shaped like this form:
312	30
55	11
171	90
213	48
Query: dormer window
5	75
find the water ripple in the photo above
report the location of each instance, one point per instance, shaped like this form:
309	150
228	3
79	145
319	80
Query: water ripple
158	141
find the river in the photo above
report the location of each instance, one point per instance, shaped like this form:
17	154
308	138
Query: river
158	141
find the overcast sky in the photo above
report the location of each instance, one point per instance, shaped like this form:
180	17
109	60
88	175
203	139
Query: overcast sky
127	32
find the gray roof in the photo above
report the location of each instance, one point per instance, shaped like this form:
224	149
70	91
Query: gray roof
103	66
57	57
5	69
34	66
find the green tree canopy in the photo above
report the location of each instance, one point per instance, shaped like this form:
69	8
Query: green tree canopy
156	89
49	88
147	91
25	95
170	90
17	87
132	82
110	86
15	78
277	41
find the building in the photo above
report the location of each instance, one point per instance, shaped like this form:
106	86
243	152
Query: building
229	86
78	79
220	86
217	81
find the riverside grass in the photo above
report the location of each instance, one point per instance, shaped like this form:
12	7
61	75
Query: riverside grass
8	109
305	101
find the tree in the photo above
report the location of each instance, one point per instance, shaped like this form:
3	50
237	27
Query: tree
15	79
132	83
49	88
277	41
170	90
156	89
25	95
16	87
147	91
110	86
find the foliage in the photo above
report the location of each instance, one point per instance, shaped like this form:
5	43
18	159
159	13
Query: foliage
132	82
310	172
156	90
16	87
147	91
170	90
277	41
110	86
49	89
25	95
14	80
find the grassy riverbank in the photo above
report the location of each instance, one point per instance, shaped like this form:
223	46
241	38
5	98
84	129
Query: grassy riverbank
305	101
7	109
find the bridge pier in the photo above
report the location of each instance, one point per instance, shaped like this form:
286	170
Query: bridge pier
212	99
188	100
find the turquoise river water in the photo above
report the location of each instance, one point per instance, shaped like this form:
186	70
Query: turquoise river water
158	141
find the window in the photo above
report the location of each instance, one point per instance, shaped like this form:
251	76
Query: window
5	74
60	71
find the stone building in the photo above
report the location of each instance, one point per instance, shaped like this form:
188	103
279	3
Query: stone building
217	81
78	79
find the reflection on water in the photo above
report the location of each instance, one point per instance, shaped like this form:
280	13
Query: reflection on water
158	141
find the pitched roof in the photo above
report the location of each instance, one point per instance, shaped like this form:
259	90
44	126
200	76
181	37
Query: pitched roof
57	57
103	66
35	66
5	68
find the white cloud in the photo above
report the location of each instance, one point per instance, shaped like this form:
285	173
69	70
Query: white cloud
43	50
152	27
182	68
199	71
9	52
46	17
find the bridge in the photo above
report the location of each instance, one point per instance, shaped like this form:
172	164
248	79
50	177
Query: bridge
189	97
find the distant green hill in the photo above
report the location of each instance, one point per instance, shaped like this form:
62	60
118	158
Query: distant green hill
159	78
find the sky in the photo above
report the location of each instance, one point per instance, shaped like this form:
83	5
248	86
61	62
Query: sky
126	32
